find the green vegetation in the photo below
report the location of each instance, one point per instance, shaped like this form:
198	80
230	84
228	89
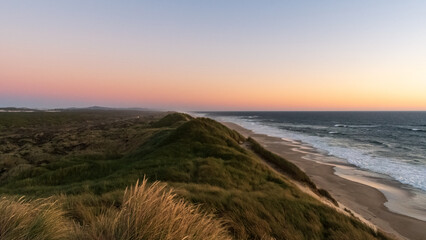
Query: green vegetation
86	163
172	119
288	168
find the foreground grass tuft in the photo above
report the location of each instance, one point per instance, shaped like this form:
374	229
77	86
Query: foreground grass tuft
152	212
41	219
147	212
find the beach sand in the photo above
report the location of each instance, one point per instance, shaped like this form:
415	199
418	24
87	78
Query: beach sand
360	198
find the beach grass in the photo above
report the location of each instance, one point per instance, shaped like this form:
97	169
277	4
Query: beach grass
150	211
147	211
288	168
38	219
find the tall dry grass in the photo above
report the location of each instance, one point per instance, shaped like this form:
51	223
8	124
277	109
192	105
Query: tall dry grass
148	211
40	219
152	212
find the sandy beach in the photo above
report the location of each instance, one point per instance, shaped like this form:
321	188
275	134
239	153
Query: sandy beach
363	199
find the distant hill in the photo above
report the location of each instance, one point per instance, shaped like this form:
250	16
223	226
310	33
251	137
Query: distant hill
100	108
94	108
18	109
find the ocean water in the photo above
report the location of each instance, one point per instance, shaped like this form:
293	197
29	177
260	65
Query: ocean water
388	143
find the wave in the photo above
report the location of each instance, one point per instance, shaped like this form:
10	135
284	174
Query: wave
418	130
406	173
377	143
302	126
412	128
356	126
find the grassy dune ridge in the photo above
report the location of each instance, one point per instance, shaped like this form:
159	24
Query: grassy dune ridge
203	161
288	168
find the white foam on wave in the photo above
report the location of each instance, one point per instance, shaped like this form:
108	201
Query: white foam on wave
356	126
418	130
413	175
413	128
316	127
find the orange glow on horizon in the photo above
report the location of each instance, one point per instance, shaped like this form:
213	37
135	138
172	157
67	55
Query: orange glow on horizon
227	90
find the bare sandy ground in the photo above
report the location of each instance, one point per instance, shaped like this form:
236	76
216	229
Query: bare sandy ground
364	200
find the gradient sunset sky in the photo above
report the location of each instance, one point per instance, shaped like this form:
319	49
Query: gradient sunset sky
214	55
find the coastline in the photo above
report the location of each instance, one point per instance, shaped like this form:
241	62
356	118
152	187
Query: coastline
360	197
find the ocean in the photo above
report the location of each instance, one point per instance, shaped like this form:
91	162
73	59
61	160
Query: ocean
392	144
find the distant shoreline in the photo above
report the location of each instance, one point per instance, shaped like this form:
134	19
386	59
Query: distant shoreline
361	198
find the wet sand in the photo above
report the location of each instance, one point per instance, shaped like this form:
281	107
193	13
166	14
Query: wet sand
362	199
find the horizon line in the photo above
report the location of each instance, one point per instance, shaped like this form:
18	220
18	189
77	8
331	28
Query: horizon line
198	110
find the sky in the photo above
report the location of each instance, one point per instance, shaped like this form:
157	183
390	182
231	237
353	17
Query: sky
214	55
